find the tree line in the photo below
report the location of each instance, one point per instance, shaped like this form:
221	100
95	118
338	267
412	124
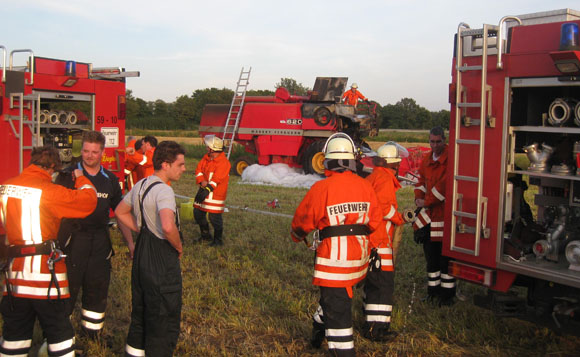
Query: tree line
185	112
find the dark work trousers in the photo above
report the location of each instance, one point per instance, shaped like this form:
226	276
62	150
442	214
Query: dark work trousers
156	297
89	269
215	219
337	319
19	317
440	283
378	302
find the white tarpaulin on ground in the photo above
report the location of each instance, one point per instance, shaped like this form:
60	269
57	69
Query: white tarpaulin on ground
277	174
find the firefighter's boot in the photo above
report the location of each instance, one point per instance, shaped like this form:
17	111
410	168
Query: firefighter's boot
217	238
205	234
317	335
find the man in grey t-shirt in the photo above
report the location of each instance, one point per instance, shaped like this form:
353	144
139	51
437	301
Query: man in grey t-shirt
150	209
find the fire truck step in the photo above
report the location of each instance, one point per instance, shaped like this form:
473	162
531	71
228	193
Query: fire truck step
468	141
468	105
466	178
502	304
469	68
465	214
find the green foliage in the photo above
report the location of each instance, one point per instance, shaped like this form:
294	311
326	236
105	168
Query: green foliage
253	296
185	112
407	114
293	86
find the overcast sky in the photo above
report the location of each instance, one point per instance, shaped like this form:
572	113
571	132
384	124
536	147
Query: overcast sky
392	49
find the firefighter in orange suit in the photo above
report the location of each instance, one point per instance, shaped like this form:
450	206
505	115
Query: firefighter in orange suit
36	283
344	210
352	96
131	163
430	198
142	160
380	280
212	175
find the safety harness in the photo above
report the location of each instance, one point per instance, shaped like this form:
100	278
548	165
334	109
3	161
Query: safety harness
48	247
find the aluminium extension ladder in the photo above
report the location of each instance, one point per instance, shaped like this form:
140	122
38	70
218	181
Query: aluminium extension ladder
235	112
486	33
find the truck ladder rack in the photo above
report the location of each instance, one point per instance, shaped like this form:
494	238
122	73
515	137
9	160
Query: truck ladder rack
33	123
485	120
235	112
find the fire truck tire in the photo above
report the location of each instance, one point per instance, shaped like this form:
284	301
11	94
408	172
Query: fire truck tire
313	158
322	116
241	163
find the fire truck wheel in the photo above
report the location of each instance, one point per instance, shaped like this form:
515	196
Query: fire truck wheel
313	159
240	164
322	116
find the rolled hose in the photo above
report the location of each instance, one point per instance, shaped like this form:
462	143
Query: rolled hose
577	114
72	118
63	117
53	118
409	215
43	117
560	111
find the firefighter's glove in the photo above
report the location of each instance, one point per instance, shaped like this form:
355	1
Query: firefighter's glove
202	194
421	235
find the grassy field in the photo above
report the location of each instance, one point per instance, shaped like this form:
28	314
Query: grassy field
253	297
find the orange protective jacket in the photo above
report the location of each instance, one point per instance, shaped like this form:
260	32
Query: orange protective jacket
143	164
341	198
431	188
131	165
31	210
351	98
217	173
386	185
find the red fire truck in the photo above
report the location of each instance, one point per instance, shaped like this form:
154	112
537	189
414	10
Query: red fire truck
512	214
287	128
49	102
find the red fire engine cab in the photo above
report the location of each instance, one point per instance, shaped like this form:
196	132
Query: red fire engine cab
287	128
50	101
512	214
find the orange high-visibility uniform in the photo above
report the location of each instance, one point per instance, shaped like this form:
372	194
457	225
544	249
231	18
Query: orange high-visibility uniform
217	173
351	98
386	185
340	199
431	188
131	165
31	210
143	164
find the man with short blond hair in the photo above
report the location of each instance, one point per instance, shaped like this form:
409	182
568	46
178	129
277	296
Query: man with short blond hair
87	241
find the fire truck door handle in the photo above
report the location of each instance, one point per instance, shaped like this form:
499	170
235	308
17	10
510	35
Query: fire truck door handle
484	230
30	65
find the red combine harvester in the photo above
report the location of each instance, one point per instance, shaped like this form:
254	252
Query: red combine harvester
50	102
512	215
287	128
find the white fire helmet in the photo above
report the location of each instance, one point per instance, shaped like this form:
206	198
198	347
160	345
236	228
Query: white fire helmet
213	142
389	152
339	146
354	85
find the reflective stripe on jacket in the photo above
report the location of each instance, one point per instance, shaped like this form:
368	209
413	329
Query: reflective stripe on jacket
31	209
217	173
342	198
385	185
